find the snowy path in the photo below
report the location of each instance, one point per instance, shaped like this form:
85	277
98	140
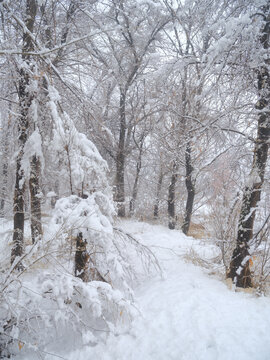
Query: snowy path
188	315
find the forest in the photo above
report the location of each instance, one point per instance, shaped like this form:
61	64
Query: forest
135	181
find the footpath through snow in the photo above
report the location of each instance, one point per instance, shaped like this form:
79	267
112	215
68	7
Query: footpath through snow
188	315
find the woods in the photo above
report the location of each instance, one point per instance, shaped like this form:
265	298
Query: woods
152	110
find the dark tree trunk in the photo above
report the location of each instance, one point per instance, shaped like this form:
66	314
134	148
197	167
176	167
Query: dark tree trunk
159	185
190	189
239	270
81	259
4	188
25	100
5	163
239	267
36	227
171	198
18	208
135	190
136	182
85	266
5	172
120	159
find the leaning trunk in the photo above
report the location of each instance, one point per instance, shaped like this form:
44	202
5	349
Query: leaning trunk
190	190
239	270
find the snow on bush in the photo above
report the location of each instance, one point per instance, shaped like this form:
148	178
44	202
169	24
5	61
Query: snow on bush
120	260
81	163
46	304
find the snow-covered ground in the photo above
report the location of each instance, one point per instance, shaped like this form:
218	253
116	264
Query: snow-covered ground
189	314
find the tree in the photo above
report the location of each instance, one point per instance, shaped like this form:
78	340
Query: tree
128	38
239	271
24	121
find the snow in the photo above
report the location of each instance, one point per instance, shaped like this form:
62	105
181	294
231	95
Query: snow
86	166
188	315
33	147
51	194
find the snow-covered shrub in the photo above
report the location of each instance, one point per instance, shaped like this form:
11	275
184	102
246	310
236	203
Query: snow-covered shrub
45	309
119	258
46	304
80	163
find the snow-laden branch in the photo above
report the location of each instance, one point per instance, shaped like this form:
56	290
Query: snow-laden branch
46	52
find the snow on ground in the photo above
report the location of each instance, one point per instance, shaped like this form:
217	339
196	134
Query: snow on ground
188	315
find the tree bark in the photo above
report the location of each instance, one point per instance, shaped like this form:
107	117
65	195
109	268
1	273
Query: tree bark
4	188
239	267
85	266
190	189
34	181
120	159
171	198
81	259
239	270
36	226
5	169
25	100
136	182
157	200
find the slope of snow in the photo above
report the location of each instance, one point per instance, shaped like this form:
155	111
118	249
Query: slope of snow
187	315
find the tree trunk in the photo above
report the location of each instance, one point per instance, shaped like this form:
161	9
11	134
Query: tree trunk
136	182
157	200
239	267
18	208
81	259
5	171
134	191
5	163
120	159
239	270
4	188
171	198
25	100
36	226
190	190
85	266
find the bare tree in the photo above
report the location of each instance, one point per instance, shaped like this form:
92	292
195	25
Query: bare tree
24	120
239	270
128	44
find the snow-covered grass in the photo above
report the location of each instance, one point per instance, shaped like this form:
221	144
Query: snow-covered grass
187	314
